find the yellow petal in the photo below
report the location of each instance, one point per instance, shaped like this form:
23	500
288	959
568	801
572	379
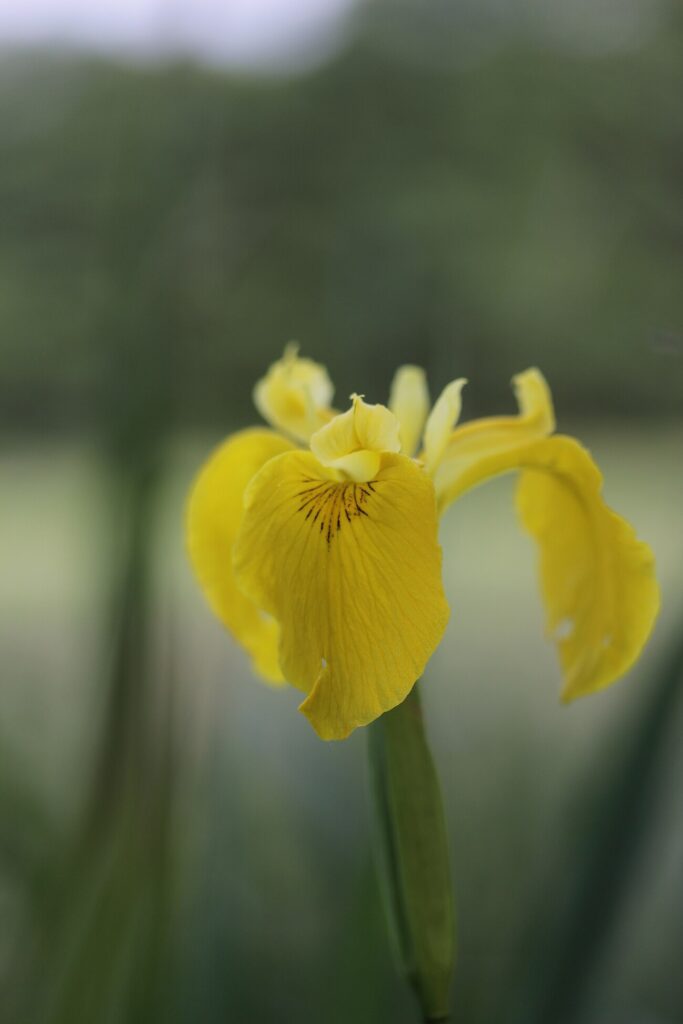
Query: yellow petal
295	395
442	419
409	402
597	579
464	461
214	516
353	440
352	572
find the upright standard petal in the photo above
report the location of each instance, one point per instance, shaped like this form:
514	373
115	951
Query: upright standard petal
598	580
295	395
409	402
352	572
442	419
469	455
214	516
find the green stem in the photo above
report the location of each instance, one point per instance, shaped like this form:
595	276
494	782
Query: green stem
412	850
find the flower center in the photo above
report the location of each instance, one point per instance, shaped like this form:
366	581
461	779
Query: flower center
354	441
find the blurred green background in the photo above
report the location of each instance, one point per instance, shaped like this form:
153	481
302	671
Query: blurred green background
474	188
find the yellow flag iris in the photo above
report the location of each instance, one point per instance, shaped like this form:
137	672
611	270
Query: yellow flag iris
324	560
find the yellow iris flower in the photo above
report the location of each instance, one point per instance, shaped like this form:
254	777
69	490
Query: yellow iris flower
324	560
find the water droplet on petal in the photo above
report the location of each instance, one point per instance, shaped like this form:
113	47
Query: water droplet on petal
564	629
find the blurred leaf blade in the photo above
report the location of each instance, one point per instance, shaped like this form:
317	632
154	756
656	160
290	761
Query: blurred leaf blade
572	951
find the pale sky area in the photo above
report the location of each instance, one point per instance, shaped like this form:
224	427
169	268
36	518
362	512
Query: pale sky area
218	31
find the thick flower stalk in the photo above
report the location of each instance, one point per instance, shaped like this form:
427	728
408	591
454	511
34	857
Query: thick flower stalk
316	542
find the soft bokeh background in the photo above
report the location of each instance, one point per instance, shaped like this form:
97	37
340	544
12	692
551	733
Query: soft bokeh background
184	187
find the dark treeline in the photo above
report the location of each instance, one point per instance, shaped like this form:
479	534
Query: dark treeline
164	231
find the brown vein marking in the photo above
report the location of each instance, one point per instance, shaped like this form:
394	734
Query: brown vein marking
332	504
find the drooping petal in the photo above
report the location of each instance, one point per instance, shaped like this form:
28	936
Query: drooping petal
295	395
409	402
214	516
464	460
353	441
441	421
598	580
352	572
